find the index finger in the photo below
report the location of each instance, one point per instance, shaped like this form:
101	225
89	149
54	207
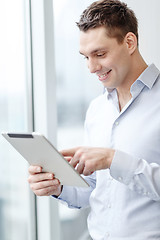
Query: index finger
34	169
69	152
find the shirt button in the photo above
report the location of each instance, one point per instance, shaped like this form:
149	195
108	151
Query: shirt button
107	235
116	123
146	193
107	206
120	178
110	179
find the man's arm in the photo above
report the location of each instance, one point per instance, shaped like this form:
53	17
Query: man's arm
78	197
137	174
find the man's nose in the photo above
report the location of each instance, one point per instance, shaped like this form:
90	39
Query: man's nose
93	66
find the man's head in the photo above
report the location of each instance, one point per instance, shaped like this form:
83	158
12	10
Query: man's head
112	14
108	41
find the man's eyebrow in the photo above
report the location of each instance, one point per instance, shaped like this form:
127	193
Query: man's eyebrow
94	51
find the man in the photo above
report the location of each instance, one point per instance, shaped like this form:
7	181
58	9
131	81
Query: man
122	127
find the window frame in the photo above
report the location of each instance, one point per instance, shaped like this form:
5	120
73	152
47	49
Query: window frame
44	114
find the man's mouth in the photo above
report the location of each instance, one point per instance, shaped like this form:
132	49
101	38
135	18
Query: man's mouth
104	76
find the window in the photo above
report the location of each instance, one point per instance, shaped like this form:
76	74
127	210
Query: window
14	191
75	88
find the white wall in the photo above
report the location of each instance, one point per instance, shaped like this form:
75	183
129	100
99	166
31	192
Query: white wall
147	12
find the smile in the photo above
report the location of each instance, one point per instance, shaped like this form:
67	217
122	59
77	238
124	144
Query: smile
104	76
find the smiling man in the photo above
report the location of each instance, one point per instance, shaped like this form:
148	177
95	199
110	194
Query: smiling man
122	159
117	65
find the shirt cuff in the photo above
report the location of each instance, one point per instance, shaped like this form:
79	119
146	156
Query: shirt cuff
64	193
123	167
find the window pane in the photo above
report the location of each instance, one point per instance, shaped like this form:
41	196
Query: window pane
14	209
75	89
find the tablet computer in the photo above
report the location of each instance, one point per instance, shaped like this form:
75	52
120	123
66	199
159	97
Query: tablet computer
37	150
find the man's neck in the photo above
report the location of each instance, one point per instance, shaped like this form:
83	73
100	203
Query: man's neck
124	94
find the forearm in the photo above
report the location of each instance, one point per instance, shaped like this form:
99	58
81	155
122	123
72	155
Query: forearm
137	174
76	197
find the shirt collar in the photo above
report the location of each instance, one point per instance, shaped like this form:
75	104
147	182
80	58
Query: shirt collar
147	78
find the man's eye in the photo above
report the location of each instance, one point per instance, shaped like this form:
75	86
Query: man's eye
100	54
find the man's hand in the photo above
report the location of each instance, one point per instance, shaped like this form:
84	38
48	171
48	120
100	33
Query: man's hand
89	159
43	184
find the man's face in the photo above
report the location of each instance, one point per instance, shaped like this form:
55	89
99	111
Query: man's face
107	58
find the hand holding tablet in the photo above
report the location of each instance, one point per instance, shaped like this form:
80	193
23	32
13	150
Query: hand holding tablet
38	151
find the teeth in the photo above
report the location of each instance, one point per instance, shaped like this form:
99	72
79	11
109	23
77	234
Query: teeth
103	75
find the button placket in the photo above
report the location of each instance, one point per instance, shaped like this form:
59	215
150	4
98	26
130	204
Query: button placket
109	205
116	123
120	179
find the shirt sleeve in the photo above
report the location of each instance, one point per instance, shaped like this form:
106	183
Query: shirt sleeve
137	174
77	197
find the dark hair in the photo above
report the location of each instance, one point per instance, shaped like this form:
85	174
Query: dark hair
113	14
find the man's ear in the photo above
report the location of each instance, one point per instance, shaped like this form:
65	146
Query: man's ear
131	41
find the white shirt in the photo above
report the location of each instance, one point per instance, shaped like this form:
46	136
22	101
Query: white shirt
125	199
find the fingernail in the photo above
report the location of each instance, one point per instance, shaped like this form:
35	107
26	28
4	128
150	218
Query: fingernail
38	169
51	175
